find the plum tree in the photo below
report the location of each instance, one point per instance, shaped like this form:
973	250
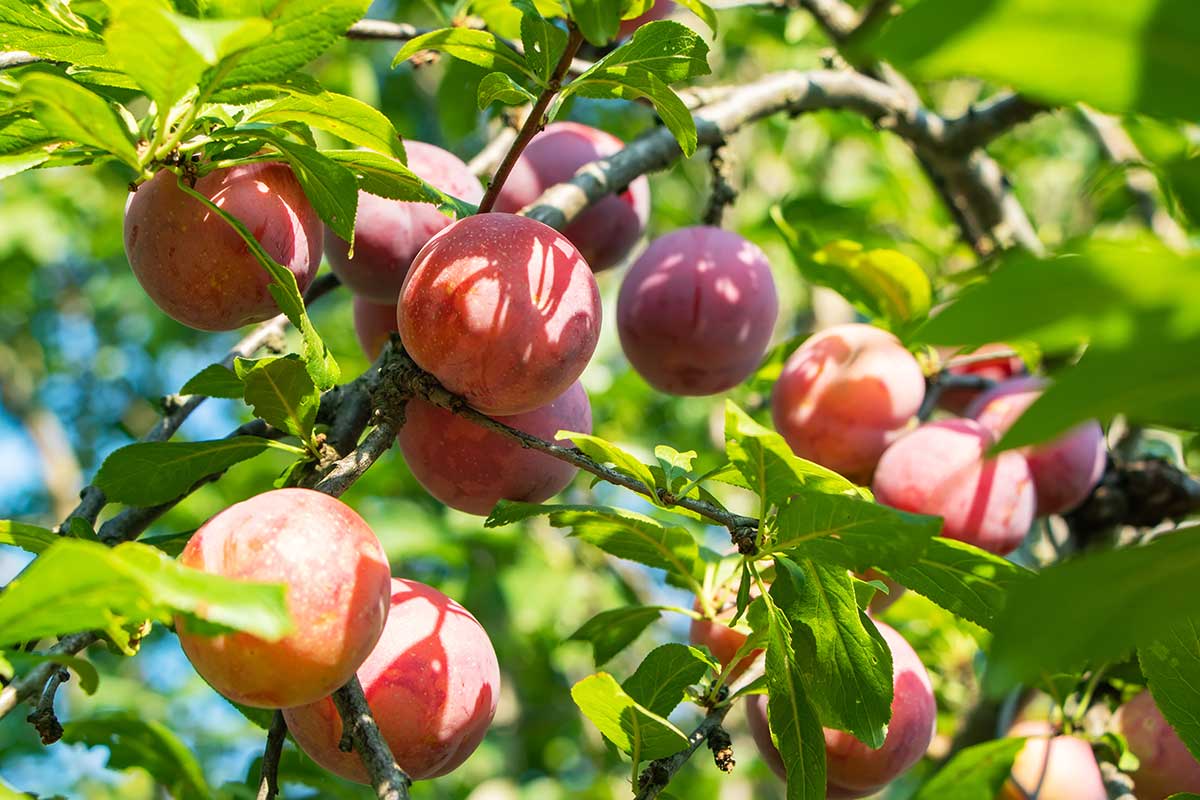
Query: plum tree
1166	765
940	469
696	311
845	395
336	576
1053	768
996	369
374	323
1064	470
388	233
502	310
661	9
608	230
853	768
196	267
470	468
431	683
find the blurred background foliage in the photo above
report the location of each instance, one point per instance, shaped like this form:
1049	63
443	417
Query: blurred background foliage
84	357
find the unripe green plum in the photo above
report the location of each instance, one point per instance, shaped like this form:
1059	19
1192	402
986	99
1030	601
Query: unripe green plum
470	468
337	580
1167	766
374	324
845	395
502	310
388	233
696	311
853	768
940	469
431	683
606	231
196	267
1057	768
1066	469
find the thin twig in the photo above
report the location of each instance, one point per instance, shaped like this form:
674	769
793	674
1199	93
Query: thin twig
658	774
42	717
34	682
389	780
268	776
722	191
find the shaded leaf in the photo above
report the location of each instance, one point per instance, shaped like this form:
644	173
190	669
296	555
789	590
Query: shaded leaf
1171	663
610	632
974	773
496	86
215	380
661	680
132	742
149	473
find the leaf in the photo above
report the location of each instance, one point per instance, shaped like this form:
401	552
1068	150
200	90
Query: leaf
674	463
76	585
1171	664
26	26
18	163
498	86
215	380
845	664
343	116
610	632
89	678
383	176
886	284
29	538
1123	55
631	83
768	465
1095	608
702	10
1141	324
132	742
480	48
543	42
669	51
301	31
320	362
330	187
69	111
966	581
850	531
20	133
606	452
598	20
632	728
661	680
281	392
149	473
974	773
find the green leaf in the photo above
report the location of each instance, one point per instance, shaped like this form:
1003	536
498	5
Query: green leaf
845	664
89	678
606	452
330	187
1095	608
768	465
344	117
702	10
1183	175
1118	55
317	358
1171	664
496	86
674	463
1141	324
134	742
480	48
69	111
29	538
598	20
631	83
76	585
975	773
610	632
27	26
661	680
886	284
21	133
667	50
850	531
543	42
215	380
625	723
281	392
301	31
149	473
795	728
18	163
384	176
966	581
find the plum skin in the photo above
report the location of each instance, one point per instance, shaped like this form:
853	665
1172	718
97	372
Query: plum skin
502	310
853	768
432	684
336	577
470	468
1065	469
389	233
196	267
1167	766
845	395
1071	771
996	369
605	232
940	469
374	324
696	311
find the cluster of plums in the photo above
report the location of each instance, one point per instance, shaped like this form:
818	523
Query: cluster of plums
427	667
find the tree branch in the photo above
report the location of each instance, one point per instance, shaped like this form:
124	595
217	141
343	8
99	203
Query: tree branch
268	780
389	780
34	682
658	774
